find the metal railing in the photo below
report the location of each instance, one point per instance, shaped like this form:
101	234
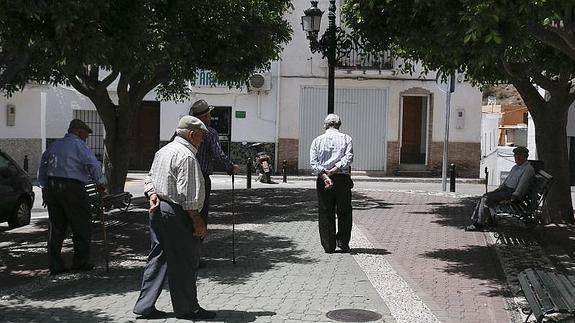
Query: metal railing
361	60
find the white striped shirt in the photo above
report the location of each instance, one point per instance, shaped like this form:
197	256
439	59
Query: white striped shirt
176	176
333	148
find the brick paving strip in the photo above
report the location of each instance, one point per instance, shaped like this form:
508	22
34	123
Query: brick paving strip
455	273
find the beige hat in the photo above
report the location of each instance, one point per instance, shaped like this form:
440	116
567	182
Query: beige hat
200	108
78	124
189	122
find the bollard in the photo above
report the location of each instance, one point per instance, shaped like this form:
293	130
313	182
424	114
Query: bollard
284	170
486	178
26	163
249	173
452	177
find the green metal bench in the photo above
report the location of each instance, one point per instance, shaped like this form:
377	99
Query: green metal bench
530	207
547	292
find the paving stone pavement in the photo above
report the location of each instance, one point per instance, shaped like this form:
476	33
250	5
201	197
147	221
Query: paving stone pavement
411	261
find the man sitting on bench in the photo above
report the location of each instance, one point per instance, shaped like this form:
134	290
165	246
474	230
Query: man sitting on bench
514	187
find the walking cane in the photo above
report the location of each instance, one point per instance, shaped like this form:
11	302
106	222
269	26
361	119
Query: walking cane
233	224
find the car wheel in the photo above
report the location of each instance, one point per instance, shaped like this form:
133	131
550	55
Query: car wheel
21	216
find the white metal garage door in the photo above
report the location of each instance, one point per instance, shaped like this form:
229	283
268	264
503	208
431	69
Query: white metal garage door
364	118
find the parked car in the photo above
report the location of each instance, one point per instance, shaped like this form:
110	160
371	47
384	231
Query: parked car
16	194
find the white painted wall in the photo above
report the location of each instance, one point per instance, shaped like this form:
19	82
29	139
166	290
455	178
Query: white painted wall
28	115
60	103
489	147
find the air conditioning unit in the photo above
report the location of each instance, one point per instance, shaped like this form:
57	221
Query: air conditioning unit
260	82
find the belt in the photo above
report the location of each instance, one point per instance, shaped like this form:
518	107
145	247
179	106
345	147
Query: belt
62	181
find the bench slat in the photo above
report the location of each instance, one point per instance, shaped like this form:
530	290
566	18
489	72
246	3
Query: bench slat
567	288
539	291
530	296
553	288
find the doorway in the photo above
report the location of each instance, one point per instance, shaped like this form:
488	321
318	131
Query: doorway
414	130
145	138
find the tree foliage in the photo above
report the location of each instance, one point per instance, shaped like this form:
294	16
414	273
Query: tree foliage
142	45
529	43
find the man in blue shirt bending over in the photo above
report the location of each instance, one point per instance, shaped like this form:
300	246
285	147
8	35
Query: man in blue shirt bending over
66	167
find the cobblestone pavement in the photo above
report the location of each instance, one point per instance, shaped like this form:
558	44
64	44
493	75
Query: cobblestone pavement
411	261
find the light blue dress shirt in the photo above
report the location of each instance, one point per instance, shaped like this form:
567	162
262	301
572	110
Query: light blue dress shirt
70	157
333	148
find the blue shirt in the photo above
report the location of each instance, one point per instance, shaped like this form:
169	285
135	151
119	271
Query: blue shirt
333	148
70	157
210	150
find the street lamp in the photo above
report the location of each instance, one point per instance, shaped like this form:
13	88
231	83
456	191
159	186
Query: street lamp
326	44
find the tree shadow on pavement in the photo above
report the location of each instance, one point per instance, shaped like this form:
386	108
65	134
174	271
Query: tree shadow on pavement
362	201
263	205
42	314
255	252
454	214
477	262
23	256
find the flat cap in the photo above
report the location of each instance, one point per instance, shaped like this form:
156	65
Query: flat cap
332	118
190	122
78	124
521	150
200	108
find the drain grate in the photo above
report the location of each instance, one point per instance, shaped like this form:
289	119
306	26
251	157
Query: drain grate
353	315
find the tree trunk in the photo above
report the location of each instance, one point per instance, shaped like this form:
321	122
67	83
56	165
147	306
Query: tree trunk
551	140
116	159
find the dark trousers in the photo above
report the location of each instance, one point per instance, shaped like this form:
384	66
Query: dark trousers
208	190
174	255
68	205
490	200
331	201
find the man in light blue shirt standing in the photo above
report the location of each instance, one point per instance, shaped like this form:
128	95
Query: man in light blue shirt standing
331	155
66	167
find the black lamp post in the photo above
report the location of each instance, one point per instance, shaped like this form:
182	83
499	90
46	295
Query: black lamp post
327	44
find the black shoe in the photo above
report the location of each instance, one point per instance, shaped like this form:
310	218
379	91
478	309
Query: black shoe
474	227
83	267
58	272
155	314
344	249
201	314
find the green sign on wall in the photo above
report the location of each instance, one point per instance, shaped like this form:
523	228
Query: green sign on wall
240	114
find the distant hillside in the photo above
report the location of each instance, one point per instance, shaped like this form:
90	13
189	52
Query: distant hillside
504	94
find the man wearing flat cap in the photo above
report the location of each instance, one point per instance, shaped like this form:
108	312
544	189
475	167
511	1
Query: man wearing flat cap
514	187
331	155
66	167
175	187
210	151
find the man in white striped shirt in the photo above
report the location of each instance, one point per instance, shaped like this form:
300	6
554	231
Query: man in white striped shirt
175	187
331	155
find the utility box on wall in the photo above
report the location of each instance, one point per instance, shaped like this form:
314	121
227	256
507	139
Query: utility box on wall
10	114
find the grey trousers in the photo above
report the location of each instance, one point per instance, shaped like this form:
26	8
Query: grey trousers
174	255
489	200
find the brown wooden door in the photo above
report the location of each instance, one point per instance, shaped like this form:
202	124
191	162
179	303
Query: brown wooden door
145	136
411	131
